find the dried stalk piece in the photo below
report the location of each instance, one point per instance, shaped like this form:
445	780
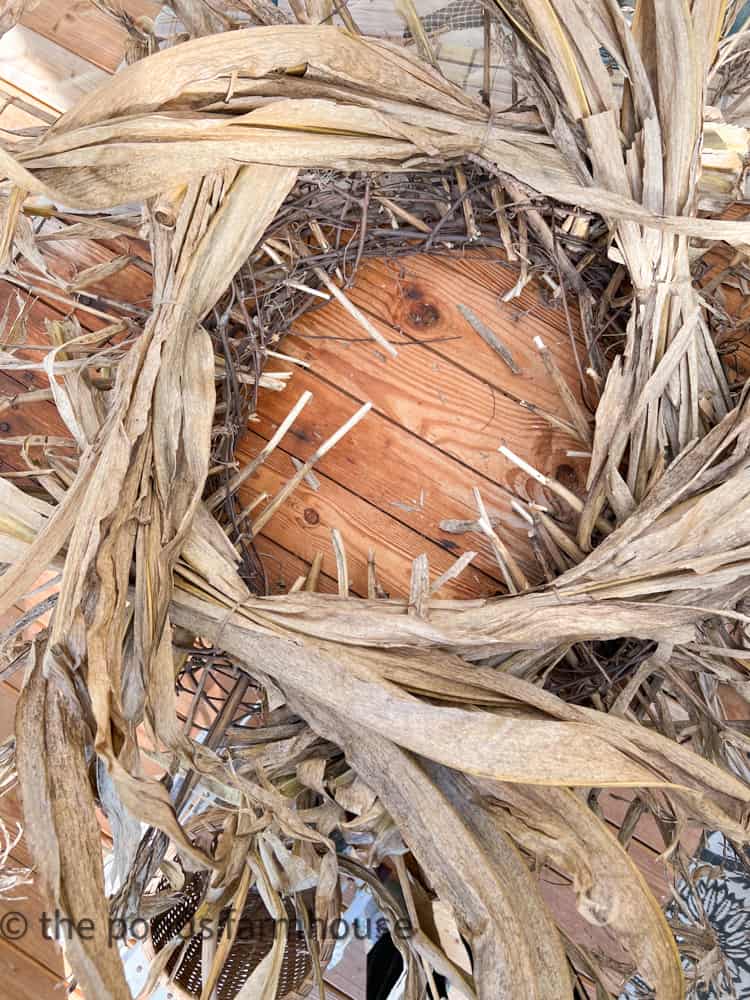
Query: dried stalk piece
339	295
372	580
402	213
577	414
311	479
574	502
264	517
453	571
524	276
419	588
342	568
99	273
456	527
514	576
323	243
490	338
22	398
407	10
498	200
316	292
355	313
472	230
247	510
311	581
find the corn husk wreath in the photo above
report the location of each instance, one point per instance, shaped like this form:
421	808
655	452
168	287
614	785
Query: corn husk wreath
450	747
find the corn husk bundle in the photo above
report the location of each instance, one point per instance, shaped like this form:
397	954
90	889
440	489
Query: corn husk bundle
411	709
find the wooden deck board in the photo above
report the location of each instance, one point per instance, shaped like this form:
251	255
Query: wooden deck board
26	979
45	70
308	516
67	259
435	400
32	904
379	460
283	567
10	804
418	296
84	30
34	961
20	110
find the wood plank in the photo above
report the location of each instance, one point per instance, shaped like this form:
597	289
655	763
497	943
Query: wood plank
614	806
653	870
38	418
336	993
394	470
351	972
418	296
38	110
438	402
28	980
66	259
19	111
284	567
98	304
34	908
11	813
304	522
47	71
29	900
8	696
83	29
28	317
733	340
559	896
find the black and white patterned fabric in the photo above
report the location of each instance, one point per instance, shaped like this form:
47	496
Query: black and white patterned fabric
721	892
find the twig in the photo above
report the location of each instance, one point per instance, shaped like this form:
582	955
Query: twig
515	578
489	337
554	485
354	312
403	214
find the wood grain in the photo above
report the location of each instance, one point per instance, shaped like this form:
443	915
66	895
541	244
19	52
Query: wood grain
21	110
84	30
67	259
304	522
11	811
400	473
436	401
418	296
26	979
32	904
284	567
46	70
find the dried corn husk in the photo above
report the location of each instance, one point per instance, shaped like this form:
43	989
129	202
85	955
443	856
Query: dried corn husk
212	133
